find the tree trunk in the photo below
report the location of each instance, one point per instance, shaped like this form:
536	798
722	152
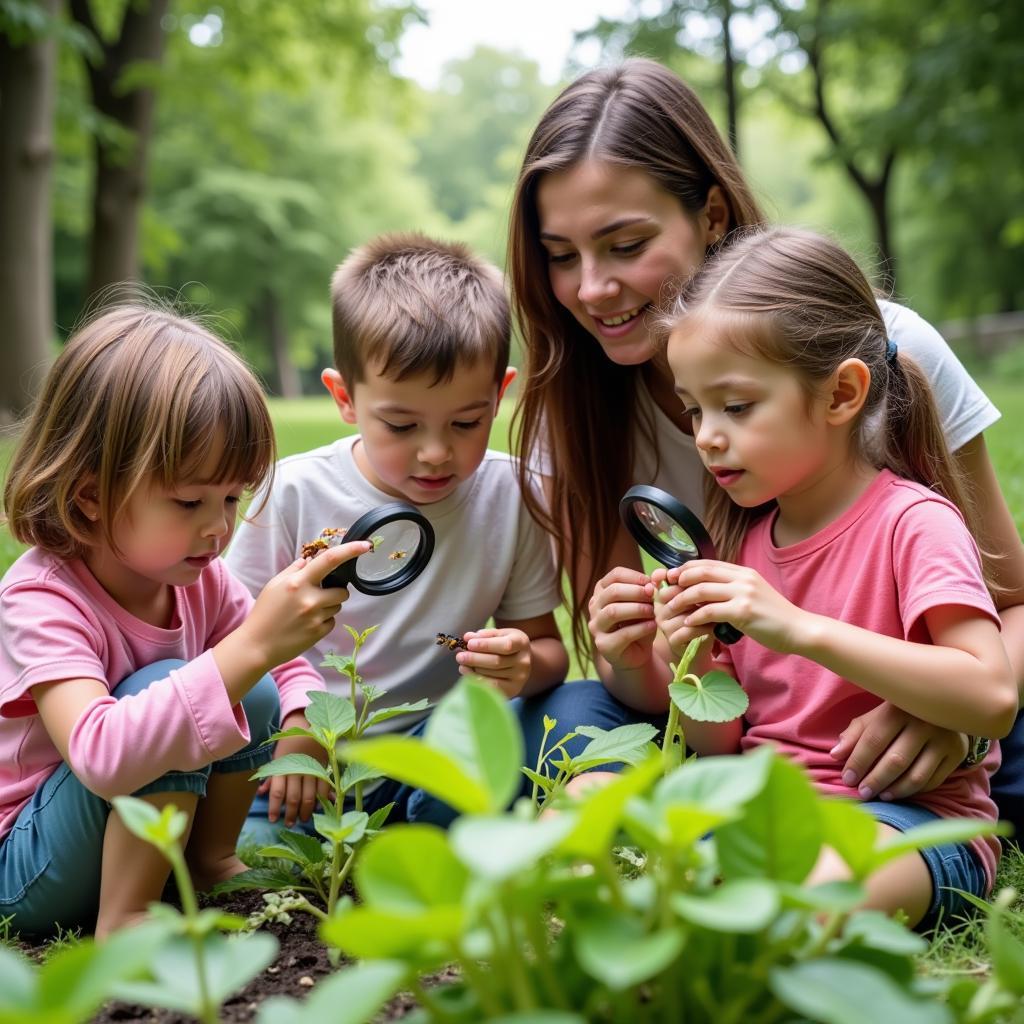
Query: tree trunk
729	70
288	384
27	90
120	182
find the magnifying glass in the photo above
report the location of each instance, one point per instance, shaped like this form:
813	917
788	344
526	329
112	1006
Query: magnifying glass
669	532
403	541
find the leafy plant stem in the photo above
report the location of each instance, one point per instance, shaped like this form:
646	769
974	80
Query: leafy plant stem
667	753
429	1003
833	924
190	907
540	760
505	940
481	983
535	931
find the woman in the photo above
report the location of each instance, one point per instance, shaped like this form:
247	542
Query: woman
626	186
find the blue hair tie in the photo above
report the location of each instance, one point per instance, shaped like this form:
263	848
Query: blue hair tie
891	352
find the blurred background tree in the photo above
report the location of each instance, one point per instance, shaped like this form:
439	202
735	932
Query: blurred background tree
233	152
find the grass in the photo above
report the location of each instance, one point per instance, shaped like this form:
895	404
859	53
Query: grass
308	423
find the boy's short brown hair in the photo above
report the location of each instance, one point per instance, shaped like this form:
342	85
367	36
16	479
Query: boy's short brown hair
415	305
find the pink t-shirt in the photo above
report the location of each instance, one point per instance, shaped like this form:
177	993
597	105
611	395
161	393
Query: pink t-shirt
899	551
57	622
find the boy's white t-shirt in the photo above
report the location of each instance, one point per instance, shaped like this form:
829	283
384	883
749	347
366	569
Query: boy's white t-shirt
490	558
964	409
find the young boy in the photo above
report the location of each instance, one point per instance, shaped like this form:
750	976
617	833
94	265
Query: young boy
421	343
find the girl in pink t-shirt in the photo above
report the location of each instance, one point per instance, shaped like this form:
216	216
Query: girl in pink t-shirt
130	660
856	580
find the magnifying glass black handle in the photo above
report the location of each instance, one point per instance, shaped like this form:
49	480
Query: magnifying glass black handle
728	633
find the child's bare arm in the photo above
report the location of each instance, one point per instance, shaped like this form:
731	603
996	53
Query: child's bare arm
522	657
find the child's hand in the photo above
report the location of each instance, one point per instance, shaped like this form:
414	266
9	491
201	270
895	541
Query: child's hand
295	794
671	617
501	655
622	618
293	611
723	592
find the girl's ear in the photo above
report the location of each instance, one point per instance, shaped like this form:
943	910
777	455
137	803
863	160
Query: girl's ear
848	392
87	499
340	392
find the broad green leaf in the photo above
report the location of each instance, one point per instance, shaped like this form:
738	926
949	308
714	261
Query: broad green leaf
378	817
383	714
835	991
497	848
937	833
17	981
354	773
287	733
744	905
410	867
333	714
627	743
474	725
540	1017
779	834
851	832
307	847
351	996
230	964
421	936
717	783
684	824
718	698
411	761
343	664
830	897
615	950
875	930
292	764
350	828
273	879
543	781
1005	948
601	810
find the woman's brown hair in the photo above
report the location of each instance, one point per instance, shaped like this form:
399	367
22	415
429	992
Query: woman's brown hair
798	299
138	393
575	404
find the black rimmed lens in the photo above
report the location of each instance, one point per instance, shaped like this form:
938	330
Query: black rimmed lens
403	541
670	533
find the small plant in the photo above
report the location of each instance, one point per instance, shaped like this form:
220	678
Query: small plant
319	867
196	968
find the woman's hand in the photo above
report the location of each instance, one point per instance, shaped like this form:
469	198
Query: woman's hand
296	794
622	618
891	754
722	592
501	655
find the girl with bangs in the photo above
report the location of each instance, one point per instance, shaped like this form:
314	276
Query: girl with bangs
131	661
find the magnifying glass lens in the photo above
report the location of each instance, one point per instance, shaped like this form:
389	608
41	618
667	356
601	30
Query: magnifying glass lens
665	529
395	544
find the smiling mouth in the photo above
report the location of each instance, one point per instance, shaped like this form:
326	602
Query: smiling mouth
621	318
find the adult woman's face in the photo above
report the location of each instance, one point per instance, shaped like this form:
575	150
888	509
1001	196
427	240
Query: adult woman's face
614	239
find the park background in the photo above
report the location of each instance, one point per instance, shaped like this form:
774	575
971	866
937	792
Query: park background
230	154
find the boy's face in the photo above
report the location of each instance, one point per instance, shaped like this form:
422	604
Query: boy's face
420	440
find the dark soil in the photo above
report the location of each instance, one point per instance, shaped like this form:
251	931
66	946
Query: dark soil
301	963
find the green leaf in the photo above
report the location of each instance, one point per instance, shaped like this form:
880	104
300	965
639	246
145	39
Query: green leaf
378	817
615	950
297	847
162	827
875	930
1006	949
743	905
830	897
410	867
717	783
274	879
498	848
17	982
474	725
351	996
779	835
835	991
333	714
718	698
539	1017
627	743
411	761
349	828
851	832
421	936
343	664
383	714
354	773
543	781
292	764
683	824
295	731
937	833
601	811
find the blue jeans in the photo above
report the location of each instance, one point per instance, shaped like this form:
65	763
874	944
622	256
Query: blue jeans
50	861
952	866
1008	781
584	702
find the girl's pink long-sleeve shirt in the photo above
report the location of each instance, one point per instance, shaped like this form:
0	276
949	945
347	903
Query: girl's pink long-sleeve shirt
57	622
